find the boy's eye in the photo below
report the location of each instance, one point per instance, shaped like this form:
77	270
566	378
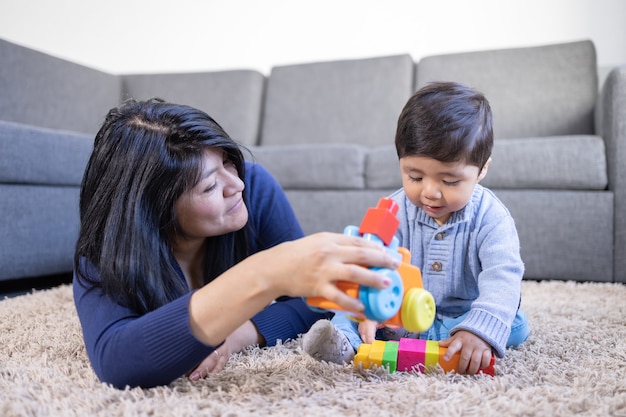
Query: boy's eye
415	179
452	183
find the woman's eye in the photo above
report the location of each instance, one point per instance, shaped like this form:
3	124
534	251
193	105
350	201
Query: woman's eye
211	188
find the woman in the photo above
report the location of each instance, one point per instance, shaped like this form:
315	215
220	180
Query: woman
184	247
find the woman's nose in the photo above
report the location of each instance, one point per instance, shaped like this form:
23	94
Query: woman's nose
232	183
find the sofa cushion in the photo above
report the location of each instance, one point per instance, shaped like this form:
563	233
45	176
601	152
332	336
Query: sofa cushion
352	101
537	91
558	162
314	167
33	155
232	98
46	91
382	169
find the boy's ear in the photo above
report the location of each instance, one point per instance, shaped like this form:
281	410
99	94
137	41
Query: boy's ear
483	171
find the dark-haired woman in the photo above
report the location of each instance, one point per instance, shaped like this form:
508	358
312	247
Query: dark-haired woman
187	253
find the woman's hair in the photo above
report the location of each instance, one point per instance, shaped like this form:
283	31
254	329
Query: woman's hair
145	156
446	121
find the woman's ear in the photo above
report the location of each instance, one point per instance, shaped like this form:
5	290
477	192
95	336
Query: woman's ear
483	171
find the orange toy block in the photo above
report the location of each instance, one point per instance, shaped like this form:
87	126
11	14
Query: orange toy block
348	288
452	364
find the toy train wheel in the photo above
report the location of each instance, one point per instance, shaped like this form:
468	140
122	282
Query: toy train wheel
381	305
418	310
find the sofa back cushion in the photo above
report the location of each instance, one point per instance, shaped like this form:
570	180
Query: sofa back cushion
349	102
536	91
45	91
233	98
526	163
42	156
314	167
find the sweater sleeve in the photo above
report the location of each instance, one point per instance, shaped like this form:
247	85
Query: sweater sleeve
126	349
499	269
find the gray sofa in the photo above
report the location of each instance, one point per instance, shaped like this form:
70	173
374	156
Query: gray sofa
326	130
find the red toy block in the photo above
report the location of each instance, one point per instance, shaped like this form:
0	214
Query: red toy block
381	221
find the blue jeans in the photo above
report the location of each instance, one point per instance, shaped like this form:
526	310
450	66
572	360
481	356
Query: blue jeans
440	329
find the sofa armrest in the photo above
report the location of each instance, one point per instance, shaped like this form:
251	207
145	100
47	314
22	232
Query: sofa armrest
611	125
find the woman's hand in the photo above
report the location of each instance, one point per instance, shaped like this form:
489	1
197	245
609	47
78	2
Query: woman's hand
245	335
475	352
312	266
213	363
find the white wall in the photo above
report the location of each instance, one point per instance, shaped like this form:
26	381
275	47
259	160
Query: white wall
129	36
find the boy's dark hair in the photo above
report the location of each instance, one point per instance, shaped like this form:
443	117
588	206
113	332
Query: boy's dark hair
447	121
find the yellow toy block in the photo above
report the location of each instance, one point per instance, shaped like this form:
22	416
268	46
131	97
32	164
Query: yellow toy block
377	352
363	355
432	354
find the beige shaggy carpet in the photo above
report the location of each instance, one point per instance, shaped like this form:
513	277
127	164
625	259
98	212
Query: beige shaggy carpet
574	363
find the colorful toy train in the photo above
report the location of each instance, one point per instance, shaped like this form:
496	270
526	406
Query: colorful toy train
405	302
410	354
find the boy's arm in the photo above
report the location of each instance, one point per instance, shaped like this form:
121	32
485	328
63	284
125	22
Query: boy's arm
499	285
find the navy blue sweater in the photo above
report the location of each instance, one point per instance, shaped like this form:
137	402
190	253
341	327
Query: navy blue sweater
129	349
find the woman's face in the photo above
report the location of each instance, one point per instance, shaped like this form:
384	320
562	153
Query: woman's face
214	206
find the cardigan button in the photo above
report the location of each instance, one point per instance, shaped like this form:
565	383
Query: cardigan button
440	235
436	266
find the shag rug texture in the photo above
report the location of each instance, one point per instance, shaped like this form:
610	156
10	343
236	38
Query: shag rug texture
574	363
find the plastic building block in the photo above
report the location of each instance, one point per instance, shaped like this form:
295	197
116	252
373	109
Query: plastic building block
362	356
390	356
405	302
377	352
412	355
381	221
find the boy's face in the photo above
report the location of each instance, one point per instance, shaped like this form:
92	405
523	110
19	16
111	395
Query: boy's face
439	188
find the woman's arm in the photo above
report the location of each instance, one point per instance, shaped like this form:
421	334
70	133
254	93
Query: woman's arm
307	267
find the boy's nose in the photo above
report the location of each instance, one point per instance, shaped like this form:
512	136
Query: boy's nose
431	191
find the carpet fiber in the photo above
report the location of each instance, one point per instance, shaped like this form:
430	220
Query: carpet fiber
573	363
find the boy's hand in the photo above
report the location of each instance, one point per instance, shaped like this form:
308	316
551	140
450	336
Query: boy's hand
475	352
367	330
